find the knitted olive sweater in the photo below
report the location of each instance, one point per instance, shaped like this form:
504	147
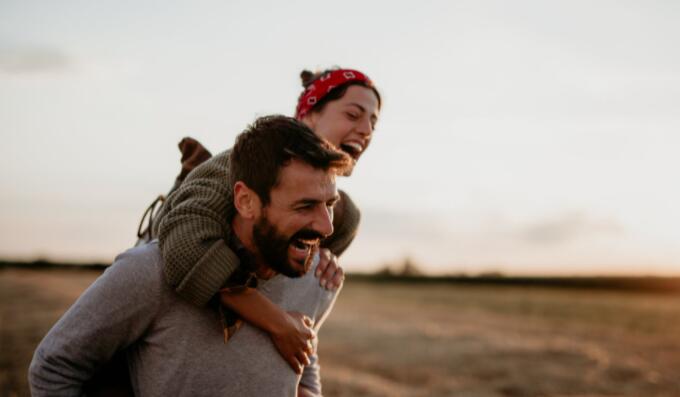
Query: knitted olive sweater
195	222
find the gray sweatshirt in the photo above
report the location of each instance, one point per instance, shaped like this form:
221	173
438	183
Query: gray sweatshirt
173	347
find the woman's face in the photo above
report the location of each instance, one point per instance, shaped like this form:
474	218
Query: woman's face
347	122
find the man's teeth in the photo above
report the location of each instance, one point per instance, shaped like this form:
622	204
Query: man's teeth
300	245
304	244
299	249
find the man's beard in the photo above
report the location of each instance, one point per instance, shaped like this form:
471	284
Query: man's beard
273	247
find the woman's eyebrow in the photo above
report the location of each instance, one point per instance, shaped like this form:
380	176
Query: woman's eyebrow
363	109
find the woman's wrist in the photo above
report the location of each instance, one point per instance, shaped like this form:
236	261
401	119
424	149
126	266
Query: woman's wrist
278	323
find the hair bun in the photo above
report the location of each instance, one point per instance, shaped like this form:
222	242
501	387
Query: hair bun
307	77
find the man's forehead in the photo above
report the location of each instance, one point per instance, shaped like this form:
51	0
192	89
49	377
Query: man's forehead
299	179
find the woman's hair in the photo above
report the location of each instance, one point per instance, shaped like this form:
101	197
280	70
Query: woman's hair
338	92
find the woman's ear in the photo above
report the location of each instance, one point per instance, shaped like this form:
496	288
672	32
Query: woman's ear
310	120
246	201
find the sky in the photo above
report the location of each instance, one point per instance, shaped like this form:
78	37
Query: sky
525	137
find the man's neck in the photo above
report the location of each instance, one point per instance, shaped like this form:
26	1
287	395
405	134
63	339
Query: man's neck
243	231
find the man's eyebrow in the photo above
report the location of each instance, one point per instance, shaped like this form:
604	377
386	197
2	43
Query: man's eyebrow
305	201
313	201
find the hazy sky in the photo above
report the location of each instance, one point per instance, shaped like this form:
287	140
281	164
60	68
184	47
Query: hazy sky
524	137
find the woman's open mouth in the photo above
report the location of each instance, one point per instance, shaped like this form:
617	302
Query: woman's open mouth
353	149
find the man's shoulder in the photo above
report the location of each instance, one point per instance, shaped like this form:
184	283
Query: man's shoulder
148	253
143	263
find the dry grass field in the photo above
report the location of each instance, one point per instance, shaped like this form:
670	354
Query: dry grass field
396	339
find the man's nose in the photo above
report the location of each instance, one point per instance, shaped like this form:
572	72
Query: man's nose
323	220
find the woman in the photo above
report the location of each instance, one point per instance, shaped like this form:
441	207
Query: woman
341	106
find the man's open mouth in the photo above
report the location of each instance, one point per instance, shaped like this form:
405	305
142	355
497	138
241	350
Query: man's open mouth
304	245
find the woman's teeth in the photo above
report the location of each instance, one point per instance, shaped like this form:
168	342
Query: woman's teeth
352	148
357	147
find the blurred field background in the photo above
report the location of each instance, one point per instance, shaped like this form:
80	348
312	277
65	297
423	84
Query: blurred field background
524	137
431	339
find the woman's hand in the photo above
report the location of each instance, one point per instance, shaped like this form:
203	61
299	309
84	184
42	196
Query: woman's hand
293	338
328	271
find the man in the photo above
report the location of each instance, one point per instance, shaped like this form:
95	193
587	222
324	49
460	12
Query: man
284	191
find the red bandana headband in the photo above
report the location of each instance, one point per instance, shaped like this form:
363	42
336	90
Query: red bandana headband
325	84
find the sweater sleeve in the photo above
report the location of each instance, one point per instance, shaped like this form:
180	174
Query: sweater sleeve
193	229
311	379
111	314
345	225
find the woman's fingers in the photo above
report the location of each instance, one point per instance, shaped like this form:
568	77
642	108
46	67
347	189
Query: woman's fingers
330	274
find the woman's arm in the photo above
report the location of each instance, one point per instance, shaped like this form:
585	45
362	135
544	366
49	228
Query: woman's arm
193	227
346	217
289	331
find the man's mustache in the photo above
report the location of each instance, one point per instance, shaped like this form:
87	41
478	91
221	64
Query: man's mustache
307	234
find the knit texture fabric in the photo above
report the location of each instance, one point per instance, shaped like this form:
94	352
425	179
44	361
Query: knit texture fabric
195	222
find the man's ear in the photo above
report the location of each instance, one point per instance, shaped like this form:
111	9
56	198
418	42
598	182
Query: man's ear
246	201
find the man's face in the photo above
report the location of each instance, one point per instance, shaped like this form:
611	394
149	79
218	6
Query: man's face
299	215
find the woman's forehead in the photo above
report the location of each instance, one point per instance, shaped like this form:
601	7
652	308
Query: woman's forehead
361	97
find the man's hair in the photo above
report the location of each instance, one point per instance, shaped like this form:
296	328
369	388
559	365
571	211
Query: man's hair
270	143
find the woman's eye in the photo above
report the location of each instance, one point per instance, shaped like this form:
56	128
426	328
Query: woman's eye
353	116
